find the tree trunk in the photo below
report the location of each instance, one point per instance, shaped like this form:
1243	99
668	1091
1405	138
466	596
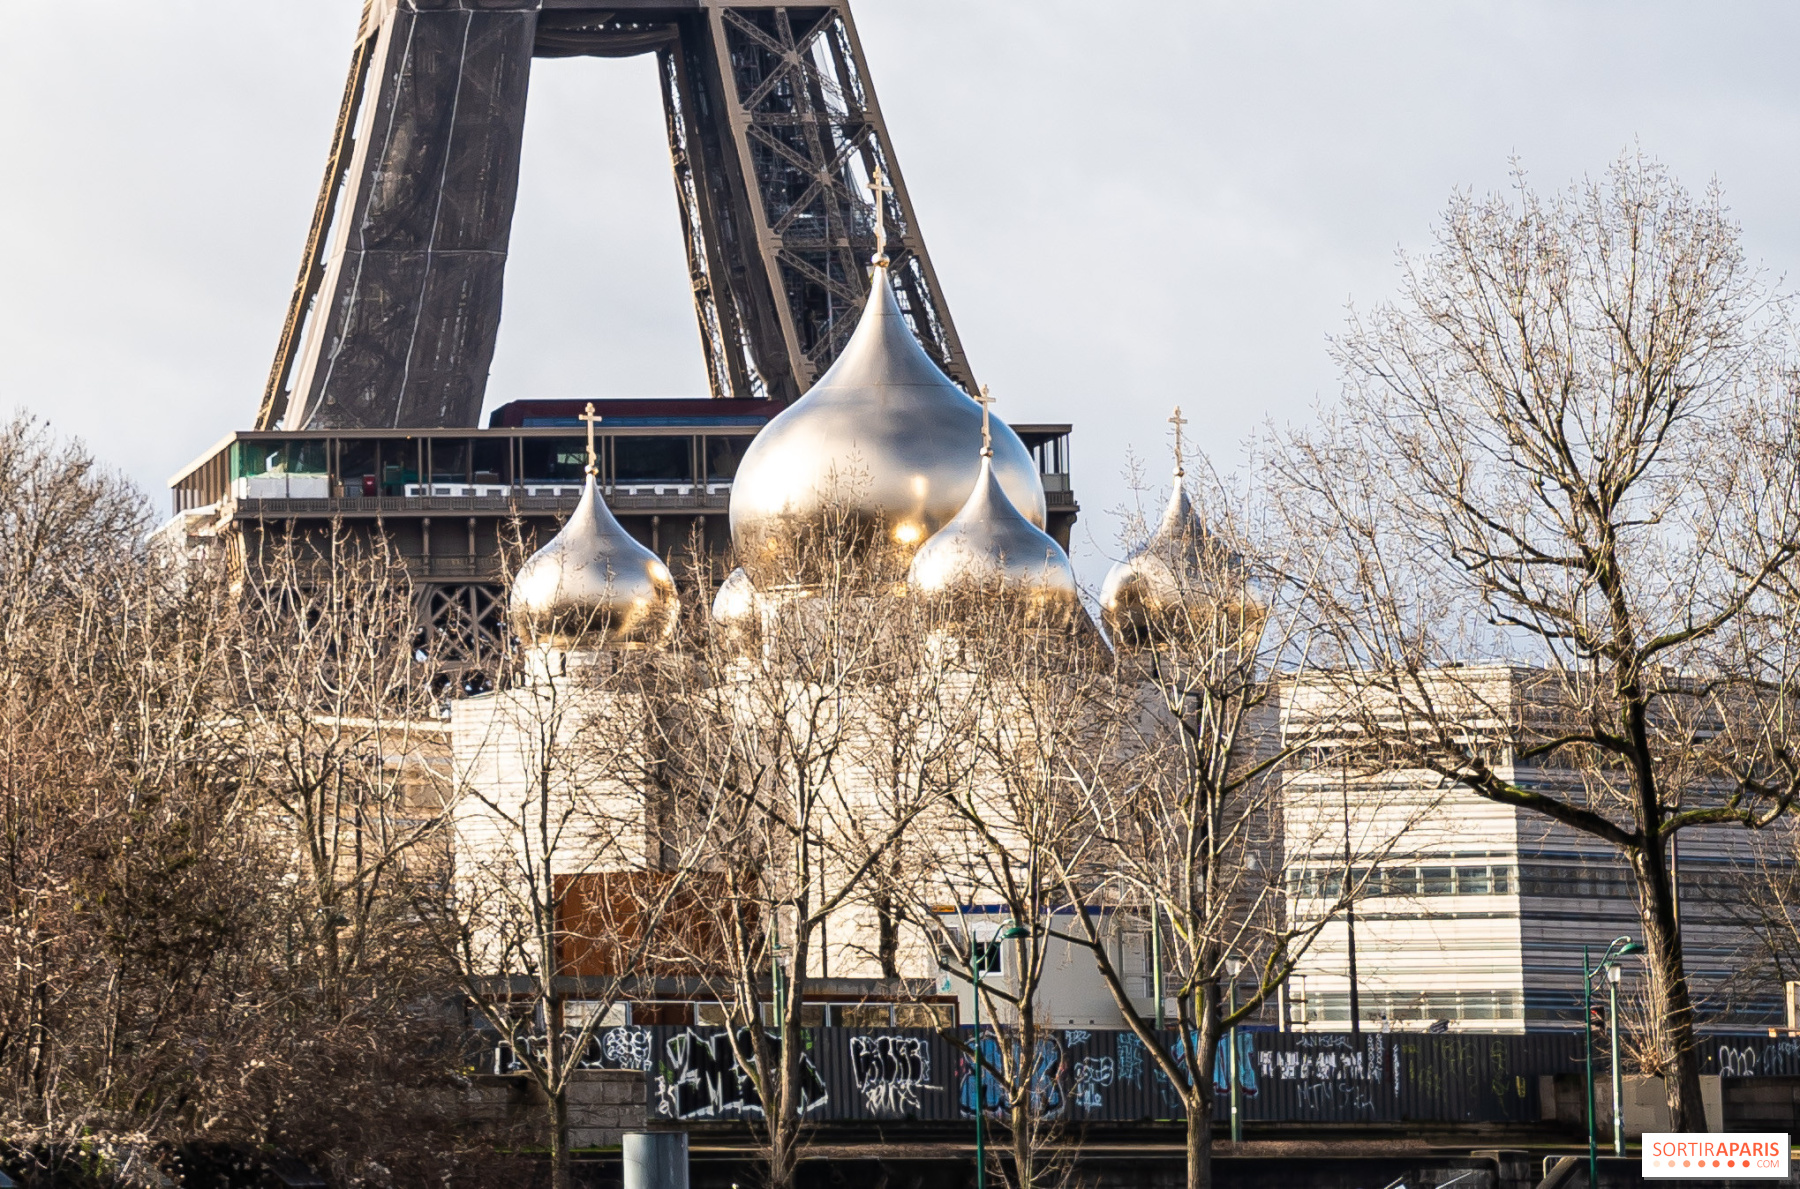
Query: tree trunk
1199	1137
1024	1163
781	1152
1668	975
559	1139
1200	1096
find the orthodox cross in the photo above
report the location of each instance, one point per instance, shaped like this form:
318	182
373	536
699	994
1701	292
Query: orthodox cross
1177	421
987	436
592	418
879	187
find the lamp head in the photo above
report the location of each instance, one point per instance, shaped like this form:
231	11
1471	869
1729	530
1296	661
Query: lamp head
1632	947
1011	931
1234	966
1613	973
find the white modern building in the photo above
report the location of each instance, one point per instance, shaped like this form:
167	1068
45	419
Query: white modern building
1474	915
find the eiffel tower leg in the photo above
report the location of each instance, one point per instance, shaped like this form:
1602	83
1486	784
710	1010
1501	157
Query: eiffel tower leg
402	329
797	110
312	263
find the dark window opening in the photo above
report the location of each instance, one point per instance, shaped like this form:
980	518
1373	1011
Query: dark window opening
449	461
490	461
359	465
553	460
652	460
723	456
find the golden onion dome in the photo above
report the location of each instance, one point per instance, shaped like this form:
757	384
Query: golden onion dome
884	436
990	547
593	586
1182	582
1143	591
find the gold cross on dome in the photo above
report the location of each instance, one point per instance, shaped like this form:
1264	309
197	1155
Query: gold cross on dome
878	186
1178	421
987	435
592	418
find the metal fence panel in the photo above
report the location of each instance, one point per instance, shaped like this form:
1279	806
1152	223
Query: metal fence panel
1083	1075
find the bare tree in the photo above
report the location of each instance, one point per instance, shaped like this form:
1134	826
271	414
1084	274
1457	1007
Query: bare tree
1001	838
765	748
1190	811
1569	442
118	906
350	753
562	876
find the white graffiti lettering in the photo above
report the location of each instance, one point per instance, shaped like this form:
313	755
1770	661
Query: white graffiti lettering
1092	1074
890	1071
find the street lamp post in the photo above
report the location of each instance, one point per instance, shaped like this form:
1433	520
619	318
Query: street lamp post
1613	973
1620	947
1156	979
977	968
977	971
1232	968
777	986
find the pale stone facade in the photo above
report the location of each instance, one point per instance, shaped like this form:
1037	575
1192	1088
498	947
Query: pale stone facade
1478	912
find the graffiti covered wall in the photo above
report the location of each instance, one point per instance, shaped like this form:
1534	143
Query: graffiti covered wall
692	1074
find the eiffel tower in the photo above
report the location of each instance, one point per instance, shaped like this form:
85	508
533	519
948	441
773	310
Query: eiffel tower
774	130
369	420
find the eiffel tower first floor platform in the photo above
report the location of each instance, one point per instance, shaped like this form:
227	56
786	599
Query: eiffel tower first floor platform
452	502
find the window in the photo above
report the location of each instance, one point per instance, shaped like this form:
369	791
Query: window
281	458
723	456
651	460
579	1013
1471	881
1436	881
358	465
553	460
449	460
924	1015
490	461
1402	881
988	957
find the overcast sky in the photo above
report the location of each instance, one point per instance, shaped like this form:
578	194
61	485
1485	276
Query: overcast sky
1129	206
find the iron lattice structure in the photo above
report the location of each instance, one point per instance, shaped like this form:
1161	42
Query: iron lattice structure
774	130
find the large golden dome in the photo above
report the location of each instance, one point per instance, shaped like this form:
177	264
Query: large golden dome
593	586
884	435
990	547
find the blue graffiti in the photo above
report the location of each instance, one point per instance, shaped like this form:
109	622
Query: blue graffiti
1246	1053
1131	1057
1045	1086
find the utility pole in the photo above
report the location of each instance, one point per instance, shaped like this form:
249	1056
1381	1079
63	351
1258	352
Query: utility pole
1350	907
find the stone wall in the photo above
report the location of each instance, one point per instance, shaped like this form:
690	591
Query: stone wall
603	1105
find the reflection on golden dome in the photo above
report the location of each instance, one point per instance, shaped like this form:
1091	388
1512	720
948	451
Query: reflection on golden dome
988	546
883	436
593	586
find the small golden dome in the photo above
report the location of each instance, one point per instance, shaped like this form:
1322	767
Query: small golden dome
593	586
1181	575
884	436
989	546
